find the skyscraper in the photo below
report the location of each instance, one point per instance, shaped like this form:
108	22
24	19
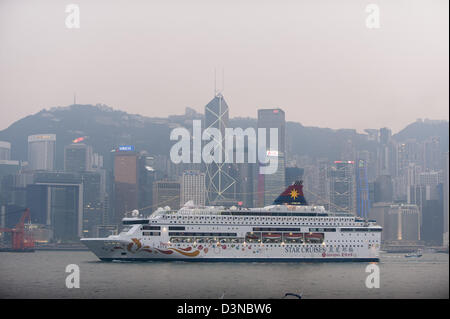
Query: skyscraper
76	197
432	155
166	193
408	153
221	185
445	195
385	135
193	188
77	157
5	151
378	212
56	200
383	192
271	185
7	169
147	176
246	173
125	183
362	189
273	118
432	222
323	185
386	155
93	202
402	223
342	187
430	178
41	151
426	188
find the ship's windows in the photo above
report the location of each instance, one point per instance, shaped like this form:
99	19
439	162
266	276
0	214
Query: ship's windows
135	222
176	228
151	234
151	227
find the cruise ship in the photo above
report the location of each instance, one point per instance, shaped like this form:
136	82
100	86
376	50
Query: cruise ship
288	230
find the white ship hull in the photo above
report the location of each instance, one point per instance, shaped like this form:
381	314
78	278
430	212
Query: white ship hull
110	249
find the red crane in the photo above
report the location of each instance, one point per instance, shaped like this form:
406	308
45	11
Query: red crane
22	240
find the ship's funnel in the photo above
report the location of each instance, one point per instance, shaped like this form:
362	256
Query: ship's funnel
293	195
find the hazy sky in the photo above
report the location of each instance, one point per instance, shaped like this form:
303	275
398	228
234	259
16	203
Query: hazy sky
315	59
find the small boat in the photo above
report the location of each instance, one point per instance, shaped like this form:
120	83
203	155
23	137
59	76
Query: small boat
416	254
290	294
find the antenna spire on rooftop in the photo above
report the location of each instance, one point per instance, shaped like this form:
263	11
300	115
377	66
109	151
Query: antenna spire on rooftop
216	91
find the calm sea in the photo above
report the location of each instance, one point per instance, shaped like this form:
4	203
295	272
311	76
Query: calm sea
42	275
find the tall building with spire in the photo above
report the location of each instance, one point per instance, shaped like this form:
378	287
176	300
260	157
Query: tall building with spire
221	182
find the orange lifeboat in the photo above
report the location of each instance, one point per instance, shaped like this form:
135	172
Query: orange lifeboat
271	236
293	236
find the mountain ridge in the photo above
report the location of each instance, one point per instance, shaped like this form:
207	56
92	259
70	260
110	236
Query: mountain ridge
107	128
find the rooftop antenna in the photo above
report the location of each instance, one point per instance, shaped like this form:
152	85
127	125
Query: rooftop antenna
215	83
74	98
216	91
223	79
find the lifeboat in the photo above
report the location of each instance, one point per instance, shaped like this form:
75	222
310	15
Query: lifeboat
293	236
314	237
271	236
252	236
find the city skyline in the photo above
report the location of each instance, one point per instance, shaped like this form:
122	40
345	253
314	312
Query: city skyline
253	116
140	182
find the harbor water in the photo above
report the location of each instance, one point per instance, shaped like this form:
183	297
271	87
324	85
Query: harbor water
43	275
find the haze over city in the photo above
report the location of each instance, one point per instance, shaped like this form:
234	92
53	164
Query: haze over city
317	61
224	150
